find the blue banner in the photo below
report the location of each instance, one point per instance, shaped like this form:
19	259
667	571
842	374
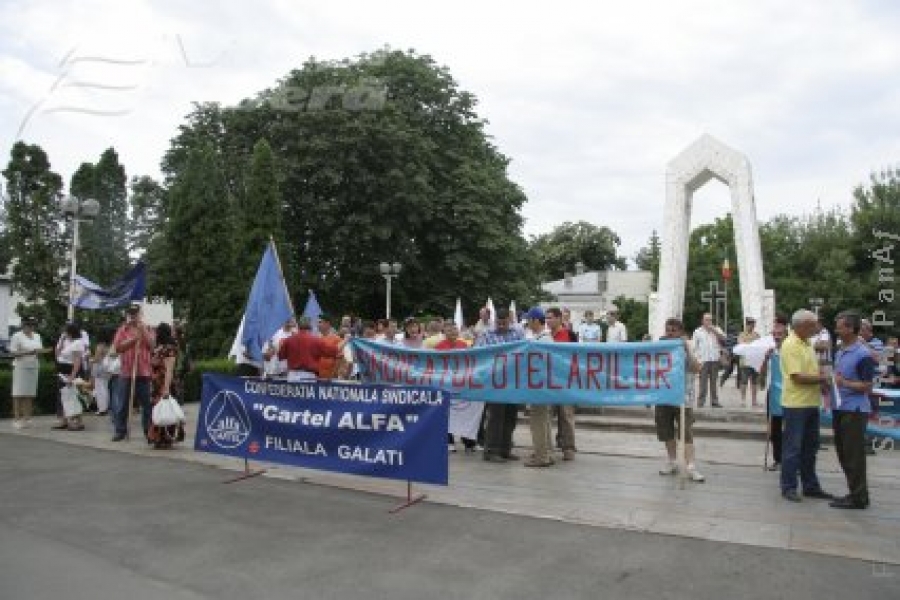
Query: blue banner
396	432
128	289
633	374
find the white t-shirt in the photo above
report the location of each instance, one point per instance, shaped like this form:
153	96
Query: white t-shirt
22	343
824	356
590	332
274	366
69	348
617	332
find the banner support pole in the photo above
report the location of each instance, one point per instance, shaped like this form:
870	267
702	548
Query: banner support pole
247	474
410	501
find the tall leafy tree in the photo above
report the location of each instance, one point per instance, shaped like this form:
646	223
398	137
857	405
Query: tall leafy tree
146	202
35	238
647	258
709	245
259	210
595	246
103	256
196	265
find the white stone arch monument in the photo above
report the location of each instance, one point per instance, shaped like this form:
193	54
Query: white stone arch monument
696	165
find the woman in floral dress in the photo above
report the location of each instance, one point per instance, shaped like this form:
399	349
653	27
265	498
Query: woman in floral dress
162	363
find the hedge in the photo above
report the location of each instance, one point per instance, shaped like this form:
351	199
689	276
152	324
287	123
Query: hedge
45	403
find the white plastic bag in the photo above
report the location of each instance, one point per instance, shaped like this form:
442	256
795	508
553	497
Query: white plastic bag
71	405
167	412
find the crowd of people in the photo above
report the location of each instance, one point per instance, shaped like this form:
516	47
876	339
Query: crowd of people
805	372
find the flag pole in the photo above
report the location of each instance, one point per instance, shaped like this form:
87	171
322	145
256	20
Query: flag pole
281	273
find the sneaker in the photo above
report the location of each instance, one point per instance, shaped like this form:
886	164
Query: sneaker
17	424
669	468
534	462
568	455
694	475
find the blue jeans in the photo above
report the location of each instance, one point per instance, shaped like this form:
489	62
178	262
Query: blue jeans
799	446
120	403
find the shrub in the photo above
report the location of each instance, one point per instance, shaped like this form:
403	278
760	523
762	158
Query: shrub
193	381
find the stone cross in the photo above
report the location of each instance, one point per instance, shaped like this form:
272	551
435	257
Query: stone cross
714	296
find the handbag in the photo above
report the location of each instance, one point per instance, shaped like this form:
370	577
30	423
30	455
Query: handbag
70	404
167	412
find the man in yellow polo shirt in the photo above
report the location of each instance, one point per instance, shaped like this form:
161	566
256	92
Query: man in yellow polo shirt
800	400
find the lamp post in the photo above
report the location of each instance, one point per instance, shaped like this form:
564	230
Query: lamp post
816	304
78	211
389	271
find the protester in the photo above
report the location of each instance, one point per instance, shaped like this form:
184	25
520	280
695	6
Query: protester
589	331
566	412
275	367
303	350
112	366
748	376
451	341
331	361
434	334
412	334
100	379
567	324
801	400
616	331
484	322
539	414
854	373
707	344
501	417
247	366
771	367
25	347
162	363
667	418
70	351
730	361
134	343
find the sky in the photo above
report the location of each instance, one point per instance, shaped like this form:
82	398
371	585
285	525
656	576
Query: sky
589	100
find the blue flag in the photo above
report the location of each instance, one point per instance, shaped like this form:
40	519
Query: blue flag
268	306
312	311
123	292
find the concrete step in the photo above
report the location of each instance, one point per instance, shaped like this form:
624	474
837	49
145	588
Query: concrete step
645	423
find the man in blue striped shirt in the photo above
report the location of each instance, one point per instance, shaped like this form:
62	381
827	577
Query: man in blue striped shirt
501	418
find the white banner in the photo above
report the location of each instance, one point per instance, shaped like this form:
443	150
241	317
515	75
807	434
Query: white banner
465	418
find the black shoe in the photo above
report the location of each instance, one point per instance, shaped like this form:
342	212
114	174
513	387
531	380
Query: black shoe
819	494
774	466
790	495
59	426
495	458
848	502
716	405
118	437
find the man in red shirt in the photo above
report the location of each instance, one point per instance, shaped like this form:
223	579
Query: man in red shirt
133	343
566	428
303	350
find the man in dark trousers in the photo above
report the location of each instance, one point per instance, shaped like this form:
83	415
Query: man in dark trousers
854	373
501	418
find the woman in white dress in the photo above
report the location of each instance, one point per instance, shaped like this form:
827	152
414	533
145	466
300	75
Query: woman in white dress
25	346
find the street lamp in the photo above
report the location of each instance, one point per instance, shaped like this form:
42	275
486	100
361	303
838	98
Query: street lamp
816	304
77	210
389	271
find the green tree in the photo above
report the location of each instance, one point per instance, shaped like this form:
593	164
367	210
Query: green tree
259	212
647	258
635	314
195	264
709	245
35	238
558	251
103	244
146	200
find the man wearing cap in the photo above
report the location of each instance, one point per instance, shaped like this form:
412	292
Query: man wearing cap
501	417
134	343
302	352
539	414
616	331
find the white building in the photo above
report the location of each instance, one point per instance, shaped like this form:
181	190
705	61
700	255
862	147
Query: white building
597	290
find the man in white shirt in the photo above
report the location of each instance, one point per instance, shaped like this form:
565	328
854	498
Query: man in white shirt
616	332
707	341
589	331
273	366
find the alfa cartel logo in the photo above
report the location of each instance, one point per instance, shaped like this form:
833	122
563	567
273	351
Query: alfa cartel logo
227	421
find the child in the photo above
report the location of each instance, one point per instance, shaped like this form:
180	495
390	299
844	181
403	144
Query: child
100	379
